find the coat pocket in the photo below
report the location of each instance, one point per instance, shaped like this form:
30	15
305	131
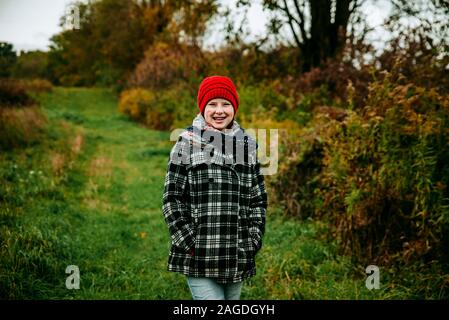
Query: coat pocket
246	246
245	259
194	214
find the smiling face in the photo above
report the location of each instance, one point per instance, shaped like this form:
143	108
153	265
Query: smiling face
219	113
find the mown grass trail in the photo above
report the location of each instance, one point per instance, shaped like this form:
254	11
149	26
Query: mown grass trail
94	200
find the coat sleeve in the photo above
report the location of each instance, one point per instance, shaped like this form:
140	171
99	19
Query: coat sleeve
258	207
176	212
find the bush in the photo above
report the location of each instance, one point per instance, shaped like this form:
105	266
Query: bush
166	65
21	126
17	92
135	102
176	104
388	164
379	174
156	111
14	93
298	173
21	120
263	97
419	58
37	85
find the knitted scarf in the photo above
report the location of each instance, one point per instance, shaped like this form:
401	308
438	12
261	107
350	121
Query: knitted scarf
200	133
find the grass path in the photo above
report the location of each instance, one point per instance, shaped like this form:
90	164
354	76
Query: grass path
123	237
97	204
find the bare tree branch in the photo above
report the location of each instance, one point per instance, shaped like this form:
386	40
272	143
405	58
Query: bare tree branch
290	22
301	21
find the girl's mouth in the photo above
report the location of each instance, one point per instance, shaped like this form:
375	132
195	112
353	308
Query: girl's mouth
218	118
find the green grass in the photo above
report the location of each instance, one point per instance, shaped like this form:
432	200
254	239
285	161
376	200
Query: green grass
90	195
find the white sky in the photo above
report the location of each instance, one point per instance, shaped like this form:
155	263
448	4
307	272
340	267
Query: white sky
29	24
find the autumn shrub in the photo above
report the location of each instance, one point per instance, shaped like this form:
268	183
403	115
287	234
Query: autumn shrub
14	93
379	173
412	53
329	85
168	64
21	121
37	85
418	57
385	168
177	104
265	104
372	158
295	183
159	109
135	102
21	126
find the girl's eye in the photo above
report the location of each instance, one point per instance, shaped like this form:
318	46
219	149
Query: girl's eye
214	104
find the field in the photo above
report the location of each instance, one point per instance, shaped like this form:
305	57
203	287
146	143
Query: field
90	195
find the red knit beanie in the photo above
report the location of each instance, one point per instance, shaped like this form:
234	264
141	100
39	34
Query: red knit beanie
217	87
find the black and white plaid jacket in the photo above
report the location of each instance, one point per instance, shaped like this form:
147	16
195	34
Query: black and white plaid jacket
214	204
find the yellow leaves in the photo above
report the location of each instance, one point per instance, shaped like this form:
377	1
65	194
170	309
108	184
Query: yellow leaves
133	102
141	235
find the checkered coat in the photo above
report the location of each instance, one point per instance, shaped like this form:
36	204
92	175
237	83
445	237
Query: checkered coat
214	204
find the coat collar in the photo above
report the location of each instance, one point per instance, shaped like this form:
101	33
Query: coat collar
195	134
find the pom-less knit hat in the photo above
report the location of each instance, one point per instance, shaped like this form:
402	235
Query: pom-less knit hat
217	87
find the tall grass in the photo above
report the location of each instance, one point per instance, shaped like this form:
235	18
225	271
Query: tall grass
21	120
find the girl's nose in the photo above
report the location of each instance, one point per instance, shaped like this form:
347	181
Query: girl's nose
219	109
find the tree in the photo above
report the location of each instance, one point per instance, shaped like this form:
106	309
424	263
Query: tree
318	27
431	15
114	35
111	40
8	59
321	29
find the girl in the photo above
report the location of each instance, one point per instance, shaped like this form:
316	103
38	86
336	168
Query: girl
214	201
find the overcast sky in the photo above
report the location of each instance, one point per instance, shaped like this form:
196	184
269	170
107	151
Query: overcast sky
29	24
